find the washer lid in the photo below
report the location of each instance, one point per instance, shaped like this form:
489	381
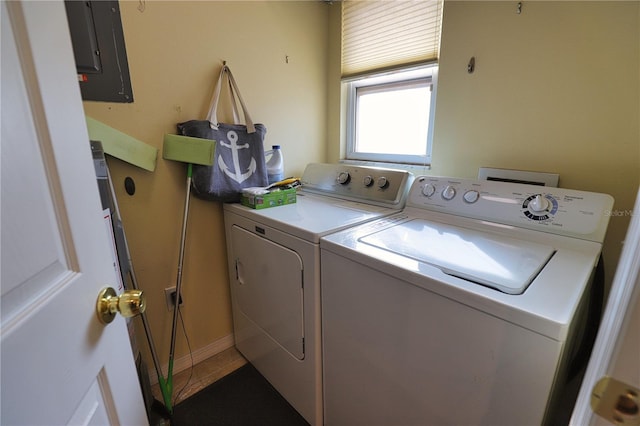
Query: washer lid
506	264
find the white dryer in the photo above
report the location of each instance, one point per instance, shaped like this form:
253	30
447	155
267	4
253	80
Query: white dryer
274	271
466	308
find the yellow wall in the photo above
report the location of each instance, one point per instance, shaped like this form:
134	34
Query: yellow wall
175	50
555	89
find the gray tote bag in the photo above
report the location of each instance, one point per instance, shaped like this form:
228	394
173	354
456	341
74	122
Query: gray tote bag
239	160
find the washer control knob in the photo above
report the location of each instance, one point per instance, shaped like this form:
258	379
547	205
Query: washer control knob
367	181
539	204
344	178
428	190
383	182
448	193
471	196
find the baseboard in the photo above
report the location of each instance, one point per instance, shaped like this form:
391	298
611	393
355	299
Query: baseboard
198	355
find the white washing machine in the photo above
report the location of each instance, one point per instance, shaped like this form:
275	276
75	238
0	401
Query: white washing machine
467	308
274	271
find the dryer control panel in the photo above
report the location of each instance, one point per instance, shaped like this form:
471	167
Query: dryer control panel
373	185
556	210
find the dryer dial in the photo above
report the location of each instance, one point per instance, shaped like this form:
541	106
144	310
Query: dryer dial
383	182
344	178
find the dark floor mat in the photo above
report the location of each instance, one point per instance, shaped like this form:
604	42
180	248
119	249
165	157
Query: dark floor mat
242	398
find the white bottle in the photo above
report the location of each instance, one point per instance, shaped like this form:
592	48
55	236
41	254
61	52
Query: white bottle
275	165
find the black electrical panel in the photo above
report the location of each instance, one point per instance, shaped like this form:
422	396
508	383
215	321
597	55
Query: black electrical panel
99	50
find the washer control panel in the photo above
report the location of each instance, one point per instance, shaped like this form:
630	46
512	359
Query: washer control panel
373	185
549	209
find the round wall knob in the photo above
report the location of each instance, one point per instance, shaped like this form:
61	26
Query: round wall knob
130	303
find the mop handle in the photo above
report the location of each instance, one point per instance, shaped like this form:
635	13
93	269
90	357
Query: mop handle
180	263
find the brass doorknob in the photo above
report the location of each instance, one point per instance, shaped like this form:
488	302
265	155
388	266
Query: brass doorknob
615	401
130	303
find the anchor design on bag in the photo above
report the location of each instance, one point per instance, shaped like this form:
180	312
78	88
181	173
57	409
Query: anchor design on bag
235	174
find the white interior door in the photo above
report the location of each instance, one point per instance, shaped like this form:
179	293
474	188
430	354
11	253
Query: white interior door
59	364
616	352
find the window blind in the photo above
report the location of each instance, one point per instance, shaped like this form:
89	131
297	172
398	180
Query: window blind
378	34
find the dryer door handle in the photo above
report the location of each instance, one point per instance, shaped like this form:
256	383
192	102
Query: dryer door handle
239	274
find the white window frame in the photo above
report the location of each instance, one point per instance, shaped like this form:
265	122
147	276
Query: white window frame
402	77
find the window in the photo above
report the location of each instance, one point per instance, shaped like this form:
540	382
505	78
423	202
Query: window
390	116
389	70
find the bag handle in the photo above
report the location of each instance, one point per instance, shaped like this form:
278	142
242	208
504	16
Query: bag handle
234	103
212	116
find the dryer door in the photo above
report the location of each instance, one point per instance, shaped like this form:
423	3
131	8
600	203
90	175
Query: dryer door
268	289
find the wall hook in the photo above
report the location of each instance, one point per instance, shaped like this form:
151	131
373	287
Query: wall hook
519	8
471	66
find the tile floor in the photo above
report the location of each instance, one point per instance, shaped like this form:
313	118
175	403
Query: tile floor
186	383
